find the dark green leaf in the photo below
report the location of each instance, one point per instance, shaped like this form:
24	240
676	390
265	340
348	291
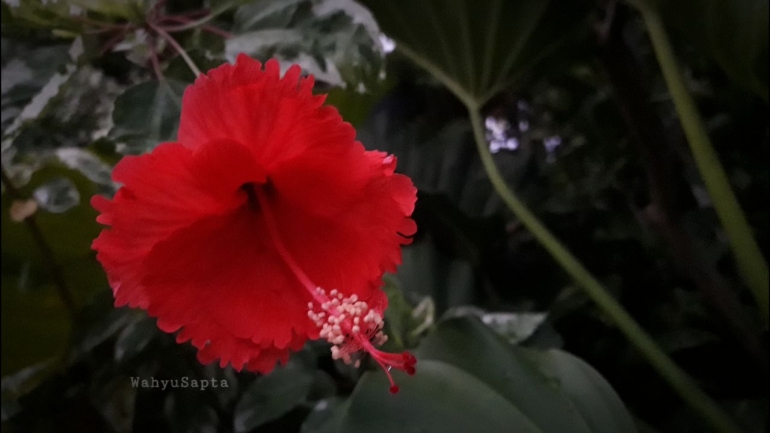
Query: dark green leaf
19	383
266	15
187	412
427	272
44	14
441	398
35	326
116	402
135	337
528	378
477	47
178	70
594	399
97	322
49	117
272	396
444	163
355	106
57	196
469	379
336	41
69	234
732	32
326	416
126	9
404	322
146	115
88	164
515	327
26	74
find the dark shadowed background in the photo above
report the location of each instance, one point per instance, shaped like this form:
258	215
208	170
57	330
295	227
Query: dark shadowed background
576	115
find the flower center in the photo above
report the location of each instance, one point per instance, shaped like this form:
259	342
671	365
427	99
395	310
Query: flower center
348	323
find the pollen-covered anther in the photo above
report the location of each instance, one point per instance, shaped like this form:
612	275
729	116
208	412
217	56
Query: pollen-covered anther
351	326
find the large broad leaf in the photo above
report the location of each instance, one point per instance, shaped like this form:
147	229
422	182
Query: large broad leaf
186	412
477	47
469	379
126	9
445	162
355	106
68	235
515	327
61	14
36	326
335	40
146	115
48	117
26	73
40	14
272	396
326	416
427	272
732	32
404	322
35	321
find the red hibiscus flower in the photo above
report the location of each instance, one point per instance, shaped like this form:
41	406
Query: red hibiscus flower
265	225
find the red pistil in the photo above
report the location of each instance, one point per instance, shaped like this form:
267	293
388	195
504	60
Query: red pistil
351	326
403	361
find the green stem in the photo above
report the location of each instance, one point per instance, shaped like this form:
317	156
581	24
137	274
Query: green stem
45	249
179	49
750	262
675	376
155	61
201	21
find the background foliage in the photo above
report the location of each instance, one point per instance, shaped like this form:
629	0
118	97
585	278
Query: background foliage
581	126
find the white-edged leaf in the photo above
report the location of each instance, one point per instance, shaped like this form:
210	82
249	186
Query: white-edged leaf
335	40
146	115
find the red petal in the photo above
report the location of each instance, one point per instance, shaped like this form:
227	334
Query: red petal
163	192
223	270
243	103
342	224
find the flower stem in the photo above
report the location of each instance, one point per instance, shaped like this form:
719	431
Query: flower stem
45	249
185	21
750	262
675	376
104	26
155	61
179	49
203	20
115	39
